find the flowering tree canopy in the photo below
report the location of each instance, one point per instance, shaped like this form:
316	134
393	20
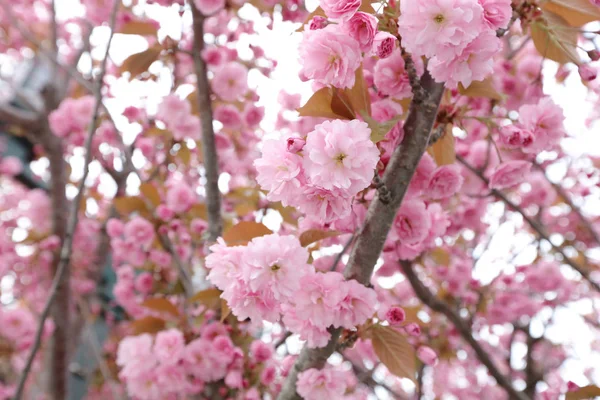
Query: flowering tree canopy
423	224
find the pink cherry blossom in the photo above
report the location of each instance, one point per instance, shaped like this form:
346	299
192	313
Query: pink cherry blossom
445	181
180	197
384	44
340	154
395	315
496	13
209	7
315	384
412	222
391	78
230	81
509	174
339	9
546	121
433	25
169	345
362	27
330	57
427	355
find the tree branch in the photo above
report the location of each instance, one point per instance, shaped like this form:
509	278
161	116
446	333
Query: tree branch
184	275
380	216
209	149
565	196
28	120
429	299
534	225
60	290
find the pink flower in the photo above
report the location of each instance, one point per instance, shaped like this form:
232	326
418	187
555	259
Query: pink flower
357	306
253	115
427	355
318	22
135	355
587	72
391	78
315	336
514	137
330	57
319	299
295	144
545	120
180	197
509	174
412	222
446	181
139	231
224	263
473	63
279	171
362	27
261	351
169	345
228	115
213	56
324	206
275	263
496	13
10	166
144	282
428	27
230	81
384	44
202	360
173	109
209	7
315	384
413	329
340	154
186	127
340	9
395	315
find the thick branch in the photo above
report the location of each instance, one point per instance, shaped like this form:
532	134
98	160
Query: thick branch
534	225
380	216
429	299
60	290
209	149
15	116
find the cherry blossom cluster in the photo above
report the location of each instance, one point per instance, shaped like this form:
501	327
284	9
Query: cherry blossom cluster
270	279
458	37
321	173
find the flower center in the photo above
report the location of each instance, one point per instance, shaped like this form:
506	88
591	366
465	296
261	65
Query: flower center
340	158
439	19
275	267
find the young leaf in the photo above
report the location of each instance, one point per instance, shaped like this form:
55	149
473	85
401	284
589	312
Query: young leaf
394	351
483	88
225	310
243	232
585	392
127	205
314	235
162	305
209	297
380	129
144	28
341	104
148	325
359	95
575	12
151	193
319	11
442	151
322	104
137	63
554	38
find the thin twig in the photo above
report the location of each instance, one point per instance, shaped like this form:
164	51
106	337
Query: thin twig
565	196
184	275
533	224
62	271
430	300
338	258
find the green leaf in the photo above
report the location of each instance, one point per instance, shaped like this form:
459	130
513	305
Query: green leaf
380	129
394	351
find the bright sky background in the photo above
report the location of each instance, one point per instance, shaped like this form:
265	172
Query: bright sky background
281	44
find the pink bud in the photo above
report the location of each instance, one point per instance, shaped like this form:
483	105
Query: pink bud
587	72
384	44
427	355
395	315
413	329
594	55
318	22
294	144
572	386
